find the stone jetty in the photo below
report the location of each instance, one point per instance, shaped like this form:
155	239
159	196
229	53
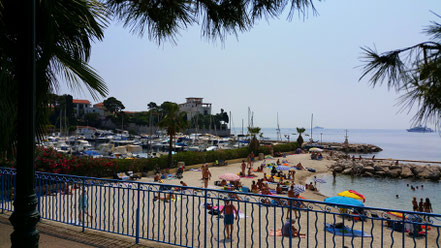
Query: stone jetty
390	169
351	148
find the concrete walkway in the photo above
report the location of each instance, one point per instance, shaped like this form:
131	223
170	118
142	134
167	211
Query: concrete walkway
54	235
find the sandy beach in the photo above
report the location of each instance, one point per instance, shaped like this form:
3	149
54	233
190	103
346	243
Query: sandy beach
193	178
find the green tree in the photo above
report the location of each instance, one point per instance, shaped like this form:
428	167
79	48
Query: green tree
174	122
113	105
300	130
414	71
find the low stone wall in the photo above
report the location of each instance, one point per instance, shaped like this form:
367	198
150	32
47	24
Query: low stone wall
369	168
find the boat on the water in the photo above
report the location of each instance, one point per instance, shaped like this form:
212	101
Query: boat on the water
420	129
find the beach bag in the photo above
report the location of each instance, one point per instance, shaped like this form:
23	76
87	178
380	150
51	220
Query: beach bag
214	212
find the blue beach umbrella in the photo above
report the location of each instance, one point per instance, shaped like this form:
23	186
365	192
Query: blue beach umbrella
344	200
283	167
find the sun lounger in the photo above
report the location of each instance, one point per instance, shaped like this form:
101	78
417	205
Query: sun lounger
122	176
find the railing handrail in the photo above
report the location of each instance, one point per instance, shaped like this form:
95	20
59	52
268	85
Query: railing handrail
235	192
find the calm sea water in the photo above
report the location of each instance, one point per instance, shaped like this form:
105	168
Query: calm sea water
381	192
397	144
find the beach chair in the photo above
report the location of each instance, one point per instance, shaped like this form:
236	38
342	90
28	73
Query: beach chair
122	176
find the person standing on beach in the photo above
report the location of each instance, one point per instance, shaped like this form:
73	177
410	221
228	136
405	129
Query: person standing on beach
243	167
415	204
427	208
206	175
229	210
83	205
252	159
420	206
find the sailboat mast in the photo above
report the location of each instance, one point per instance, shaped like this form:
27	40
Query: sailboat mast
151	131
312	116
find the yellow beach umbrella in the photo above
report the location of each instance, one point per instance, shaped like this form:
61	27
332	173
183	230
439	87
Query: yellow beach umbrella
352	194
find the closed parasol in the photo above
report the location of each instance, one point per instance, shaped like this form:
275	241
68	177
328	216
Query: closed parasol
352	194
229	177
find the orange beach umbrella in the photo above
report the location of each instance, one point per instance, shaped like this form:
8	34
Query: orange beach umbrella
352	194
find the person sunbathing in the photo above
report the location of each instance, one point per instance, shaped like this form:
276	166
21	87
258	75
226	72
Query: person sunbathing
289	229
166	198
250	174
223	183
260	168
254	188
157	178
300	166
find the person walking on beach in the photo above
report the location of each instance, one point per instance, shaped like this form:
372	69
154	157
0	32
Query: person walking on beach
206	175
83	205
229	210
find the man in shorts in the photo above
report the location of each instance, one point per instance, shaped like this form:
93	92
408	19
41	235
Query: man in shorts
229	211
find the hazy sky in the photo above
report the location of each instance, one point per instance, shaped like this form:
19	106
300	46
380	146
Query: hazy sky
294	68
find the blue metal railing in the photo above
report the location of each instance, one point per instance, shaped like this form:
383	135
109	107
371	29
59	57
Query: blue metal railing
189	217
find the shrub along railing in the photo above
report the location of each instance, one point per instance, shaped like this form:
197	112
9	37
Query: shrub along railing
190	217
48	160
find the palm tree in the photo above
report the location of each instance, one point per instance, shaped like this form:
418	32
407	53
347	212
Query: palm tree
174	121
415	71
65	30
254	142
300	130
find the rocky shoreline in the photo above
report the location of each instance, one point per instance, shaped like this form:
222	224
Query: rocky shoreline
352	148
389	169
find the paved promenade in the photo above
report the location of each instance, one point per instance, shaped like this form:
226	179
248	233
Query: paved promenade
56	235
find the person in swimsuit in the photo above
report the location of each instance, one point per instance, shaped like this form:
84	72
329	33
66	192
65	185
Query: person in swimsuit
83	205
427	208
206	175
243	167
229	211
415	204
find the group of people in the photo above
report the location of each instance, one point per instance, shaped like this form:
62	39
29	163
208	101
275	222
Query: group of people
316	156
422	206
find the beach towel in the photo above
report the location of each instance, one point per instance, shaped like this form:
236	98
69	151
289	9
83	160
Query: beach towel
278	233
193	169
345	231
247	176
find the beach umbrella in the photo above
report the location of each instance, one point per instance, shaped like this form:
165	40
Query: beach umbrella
352	194
283	167
299	189
396	214
229	177
344	200
319	180
315	149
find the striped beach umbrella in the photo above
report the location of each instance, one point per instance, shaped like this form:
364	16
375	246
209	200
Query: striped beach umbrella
319	180
299	189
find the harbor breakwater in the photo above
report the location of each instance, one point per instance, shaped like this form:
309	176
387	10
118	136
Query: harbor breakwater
389	169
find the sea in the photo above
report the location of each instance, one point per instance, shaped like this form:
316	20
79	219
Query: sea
396	144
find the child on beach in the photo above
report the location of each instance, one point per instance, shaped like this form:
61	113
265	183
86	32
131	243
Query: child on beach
229	210
83	205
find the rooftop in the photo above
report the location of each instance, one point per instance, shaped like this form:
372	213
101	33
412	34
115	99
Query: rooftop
80	101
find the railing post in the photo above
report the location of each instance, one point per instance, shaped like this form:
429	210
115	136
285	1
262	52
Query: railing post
205	218
83	206
3	191
137	216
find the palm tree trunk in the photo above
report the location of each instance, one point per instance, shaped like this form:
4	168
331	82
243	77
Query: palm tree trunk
170	152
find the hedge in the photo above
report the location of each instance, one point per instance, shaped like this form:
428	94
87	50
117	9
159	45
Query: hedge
49	160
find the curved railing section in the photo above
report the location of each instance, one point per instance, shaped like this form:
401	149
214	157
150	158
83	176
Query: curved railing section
194	217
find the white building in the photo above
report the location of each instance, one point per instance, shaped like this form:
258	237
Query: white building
80	107
194	106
